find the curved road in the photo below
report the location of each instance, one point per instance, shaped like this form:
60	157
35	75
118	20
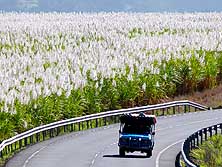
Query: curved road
98	147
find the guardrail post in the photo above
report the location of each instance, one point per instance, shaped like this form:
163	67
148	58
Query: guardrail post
104	121
64	129
20	144
82	125
6	150
43	135
72	129
215	128
195	109
57	131
79	126
87	124
185	108
50	133
201	137
1	156
96	123
25	141
32	139
37	137
210	130
197	137
11	148
221	128
205	133
174	110
192	141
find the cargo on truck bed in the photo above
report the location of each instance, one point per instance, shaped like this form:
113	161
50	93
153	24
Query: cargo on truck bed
136	133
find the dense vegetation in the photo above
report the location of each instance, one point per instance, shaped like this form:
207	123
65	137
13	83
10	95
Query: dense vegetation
59	66
209	154
182	77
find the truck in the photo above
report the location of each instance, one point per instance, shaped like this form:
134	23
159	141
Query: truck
136	133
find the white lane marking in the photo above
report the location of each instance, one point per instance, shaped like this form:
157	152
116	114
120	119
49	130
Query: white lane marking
93	161
34	154
98	153
162	151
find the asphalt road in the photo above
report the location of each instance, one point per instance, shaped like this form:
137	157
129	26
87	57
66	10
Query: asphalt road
98	147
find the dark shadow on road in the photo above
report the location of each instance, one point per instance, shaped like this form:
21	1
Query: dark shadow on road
126	156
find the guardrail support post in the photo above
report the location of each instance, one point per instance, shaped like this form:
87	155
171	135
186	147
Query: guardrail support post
205	133
31	139
20	144
64	129
215	128
82	125
211	133
43	135
37	137
104	121
193	141
11	147
1	155
96	123
72	129
25	141
79	126
185	109
6	150
57	131
201	137
174	111
87	123
221	128
195	109
15	145
197	137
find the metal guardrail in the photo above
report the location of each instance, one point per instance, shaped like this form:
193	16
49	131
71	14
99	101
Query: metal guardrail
41	133
197	139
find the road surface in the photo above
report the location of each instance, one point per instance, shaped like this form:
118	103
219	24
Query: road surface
98	147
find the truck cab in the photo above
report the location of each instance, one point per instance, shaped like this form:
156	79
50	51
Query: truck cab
136	133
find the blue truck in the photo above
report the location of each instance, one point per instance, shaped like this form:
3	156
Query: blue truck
136	133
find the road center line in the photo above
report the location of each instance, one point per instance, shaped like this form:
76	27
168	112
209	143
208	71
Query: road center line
162	151
157	165
34	154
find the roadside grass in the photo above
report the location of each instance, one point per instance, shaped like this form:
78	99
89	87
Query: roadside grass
209	153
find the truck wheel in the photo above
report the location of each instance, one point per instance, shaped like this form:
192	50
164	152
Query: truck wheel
121	152
149	153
